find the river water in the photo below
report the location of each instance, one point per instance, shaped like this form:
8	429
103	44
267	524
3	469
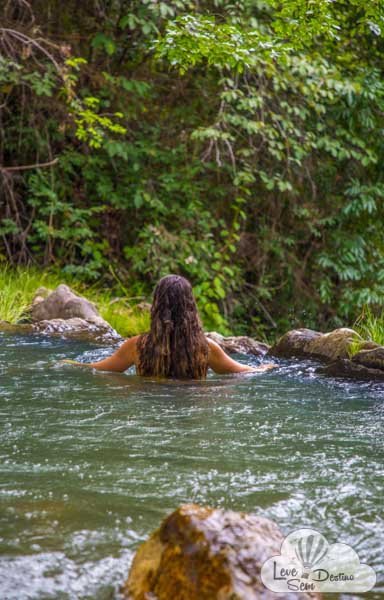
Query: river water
91	462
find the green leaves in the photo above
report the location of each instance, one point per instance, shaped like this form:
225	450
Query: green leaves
302	21
237	143
105	42
8	226
191	40
92	127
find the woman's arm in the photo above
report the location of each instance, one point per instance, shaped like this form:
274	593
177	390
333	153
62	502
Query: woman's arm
221	363
120	361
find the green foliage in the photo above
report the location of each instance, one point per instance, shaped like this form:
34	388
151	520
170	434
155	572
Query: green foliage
90	126
238	144
370	325
124	318
17	288
191	40
302	20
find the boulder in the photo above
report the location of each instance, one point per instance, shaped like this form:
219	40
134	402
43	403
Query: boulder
41	294
62	312
201	553
13	328
368	345
372	358
62	303
239	344
76	328
343	367
307	343
294	343
335	344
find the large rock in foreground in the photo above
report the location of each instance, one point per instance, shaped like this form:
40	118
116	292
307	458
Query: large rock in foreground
306	343
239	344
206	554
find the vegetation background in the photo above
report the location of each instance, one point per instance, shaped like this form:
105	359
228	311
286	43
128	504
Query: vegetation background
237	143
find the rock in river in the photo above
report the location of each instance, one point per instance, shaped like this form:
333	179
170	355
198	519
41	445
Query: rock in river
239	344
62	312
62	303
307	343
372	358
200	553
343	367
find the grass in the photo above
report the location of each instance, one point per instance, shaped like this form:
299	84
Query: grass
123	316
18	287
371	327
355	346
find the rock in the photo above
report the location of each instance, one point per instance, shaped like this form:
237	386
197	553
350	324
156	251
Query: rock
239	344
201	553
71	328
307	343
79	329
371	358
294	343
62	312
143	307
333	347
62	303
40	295
368	345
344	367
335	344
13	328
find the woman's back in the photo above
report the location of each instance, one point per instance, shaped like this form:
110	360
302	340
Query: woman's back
176	345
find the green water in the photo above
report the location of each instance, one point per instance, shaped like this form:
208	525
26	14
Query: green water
91	462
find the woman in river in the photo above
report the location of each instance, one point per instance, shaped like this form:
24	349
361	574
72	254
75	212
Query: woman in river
176	345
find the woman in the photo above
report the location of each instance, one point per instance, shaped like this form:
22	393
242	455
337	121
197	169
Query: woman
176	345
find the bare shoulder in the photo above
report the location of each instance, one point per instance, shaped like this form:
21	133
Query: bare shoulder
130	346
132	341
214	347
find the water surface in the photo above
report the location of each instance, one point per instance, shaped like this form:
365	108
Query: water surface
91	462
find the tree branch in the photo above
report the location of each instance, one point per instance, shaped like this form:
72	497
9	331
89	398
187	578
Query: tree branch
26	167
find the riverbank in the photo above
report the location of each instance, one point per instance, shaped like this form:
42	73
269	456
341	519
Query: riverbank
122	306
119	307
102	317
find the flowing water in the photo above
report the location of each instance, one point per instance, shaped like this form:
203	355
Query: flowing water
91	462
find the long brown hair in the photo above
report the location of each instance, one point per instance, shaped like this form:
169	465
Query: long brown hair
175	345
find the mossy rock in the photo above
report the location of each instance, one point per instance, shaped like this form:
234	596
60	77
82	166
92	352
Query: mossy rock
306	343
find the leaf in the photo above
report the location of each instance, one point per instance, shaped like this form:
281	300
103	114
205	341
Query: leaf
101	40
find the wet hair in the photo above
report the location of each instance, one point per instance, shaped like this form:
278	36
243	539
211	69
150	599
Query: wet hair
176	345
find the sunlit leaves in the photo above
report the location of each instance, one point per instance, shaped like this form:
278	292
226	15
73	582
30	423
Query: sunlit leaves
191	40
